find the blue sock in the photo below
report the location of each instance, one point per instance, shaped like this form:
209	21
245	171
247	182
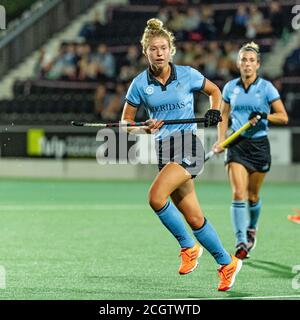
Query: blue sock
239	220
254	211
172	220
210	240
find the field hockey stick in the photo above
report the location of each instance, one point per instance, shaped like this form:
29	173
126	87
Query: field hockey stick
231	138
134	124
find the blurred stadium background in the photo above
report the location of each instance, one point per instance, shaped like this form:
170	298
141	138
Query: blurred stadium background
62	212
73	60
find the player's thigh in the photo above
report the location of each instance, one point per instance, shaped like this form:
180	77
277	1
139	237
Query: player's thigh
256	180
168	179
238	176
185	199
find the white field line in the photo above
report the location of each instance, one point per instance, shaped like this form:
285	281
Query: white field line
247	298
103	207
91	207
73	207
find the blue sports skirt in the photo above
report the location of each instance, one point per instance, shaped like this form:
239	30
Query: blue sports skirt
184	148
253	154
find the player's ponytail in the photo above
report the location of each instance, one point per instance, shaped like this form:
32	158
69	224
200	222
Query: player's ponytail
155	28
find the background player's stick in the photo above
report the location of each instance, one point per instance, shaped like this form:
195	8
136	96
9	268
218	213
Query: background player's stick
134	124
231	138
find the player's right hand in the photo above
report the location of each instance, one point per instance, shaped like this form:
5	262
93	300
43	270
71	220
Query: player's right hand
216	148
153	125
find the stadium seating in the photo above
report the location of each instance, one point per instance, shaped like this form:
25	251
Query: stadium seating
58	101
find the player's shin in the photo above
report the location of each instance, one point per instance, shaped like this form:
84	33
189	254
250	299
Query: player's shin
254	213
209	239
239	217
172	220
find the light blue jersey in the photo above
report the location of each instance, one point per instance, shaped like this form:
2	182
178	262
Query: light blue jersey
175	100
258	97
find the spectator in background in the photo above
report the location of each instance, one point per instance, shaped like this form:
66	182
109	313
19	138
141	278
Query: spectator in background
43	64
207	25
71	59
178	57
127	73
163	15
105	62
277	82
213	47
212	60
254	22
63	66
101	100
210	65
143	63
92	31
108	104
189	53
292	63
257	25
200	53
87	69
114	108
131	64
276	18
240	22
132	57
192	25
231	51
192	19
177	23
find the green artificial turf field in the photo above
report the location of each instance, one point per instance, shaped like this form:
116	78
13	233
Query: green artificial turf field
100	240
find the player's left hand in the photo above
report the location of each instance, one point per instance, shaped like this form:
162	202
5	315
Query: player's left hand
217	147
212	117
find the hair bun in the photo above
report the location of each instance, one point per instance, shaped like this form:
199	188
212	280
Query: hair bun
252	45
154	24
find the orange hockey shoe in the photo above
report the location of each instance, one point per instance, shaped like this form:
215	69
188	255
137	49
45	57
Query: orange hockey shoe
228	272
189	259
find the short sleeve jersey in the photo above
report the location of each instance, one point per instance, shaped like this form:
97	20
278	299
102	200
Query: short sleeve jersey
257	97
174	100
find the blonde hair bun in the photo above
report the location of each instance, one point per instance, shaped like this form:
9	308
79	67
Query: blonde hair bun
252	45
154	24
154	29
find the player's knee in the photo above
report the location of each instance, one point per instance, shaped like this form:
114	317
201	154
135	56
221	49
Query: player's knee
196	221
253	197
156	199
239	195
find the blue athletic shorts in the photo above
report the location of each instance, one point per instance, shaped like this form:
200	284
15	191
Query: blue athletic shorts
184	148
253	154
